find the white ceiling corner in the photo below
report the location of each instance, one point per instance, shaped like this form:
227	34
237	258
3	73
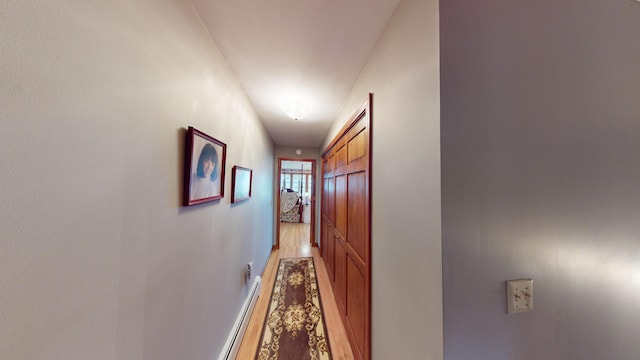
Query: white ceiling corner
312	50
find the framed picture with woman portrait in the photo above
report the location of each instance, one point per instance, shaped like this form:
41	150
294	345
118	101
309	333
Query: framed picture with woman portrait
205	159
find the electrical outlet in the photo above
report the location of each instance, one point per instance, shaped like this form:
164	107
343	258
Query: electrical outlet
249	269
519	295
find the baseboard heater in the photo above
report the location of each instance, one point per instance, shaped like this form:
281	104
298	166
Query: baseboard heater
230	349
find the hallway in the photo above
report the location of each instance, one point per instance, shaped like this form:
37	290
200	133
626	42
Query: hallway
294	242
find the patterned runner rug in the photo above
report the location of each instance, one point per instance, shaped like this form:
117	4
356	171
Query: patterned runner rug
294	328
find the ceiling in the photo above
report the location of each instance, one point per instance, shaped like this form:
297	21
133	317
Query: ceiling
310	51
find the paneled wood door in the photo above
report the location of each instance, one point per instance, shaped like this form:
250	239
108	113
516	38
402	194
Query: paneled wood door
345	225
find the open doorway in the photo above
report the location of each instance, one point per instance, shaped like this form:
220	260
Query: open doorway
296	201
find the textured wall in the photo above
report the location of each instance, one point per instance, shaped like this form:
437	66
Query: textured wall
98	259
541	177
403	74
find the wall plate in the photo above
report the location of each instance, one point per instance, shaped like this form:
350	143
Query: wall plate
519	295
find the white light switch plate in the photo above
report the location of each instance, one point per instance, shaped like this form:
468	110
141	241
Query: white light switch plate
519	295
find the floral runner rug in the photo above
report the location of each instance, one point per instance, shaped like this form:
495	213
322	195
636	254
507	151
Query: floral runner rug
294	327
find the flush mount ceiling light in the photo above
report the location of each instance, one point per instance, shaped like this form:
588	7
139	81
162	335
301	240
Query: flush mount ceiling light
296	109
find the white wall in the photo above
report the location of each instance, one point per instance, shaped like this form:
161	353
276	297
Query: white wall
98	259
403	74
541	177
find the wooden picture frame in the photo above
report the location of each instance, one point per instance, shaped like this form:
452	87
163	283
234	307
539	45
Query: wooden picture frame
204	167
241	183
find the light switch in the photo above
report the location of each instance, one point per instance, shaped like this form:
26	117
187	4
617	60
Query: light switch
519	295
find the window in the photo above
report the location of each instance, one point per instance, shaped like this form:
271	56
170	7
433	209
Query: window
296	181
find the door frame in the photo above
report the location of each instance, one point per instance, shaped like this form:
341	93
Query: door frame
312	230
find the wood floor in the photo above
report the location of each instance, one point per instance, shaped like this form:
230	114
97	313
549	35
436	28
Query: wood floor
294	242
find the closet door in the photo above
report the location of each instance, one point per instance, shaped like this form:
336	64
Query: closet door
328	213
340	233
347	226
357	233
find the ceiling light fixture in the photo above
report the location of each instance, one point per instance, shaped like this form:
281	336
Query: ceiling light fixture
296	109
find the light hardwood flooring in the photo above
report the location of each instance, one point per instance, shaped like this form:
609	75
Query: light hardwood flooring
294	242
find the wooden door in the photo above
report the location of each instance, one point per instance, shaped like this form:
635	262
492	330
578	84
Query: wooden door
345	220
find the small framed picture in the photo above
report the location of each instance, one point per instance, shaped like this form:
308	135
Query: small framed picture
205	159
240	183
